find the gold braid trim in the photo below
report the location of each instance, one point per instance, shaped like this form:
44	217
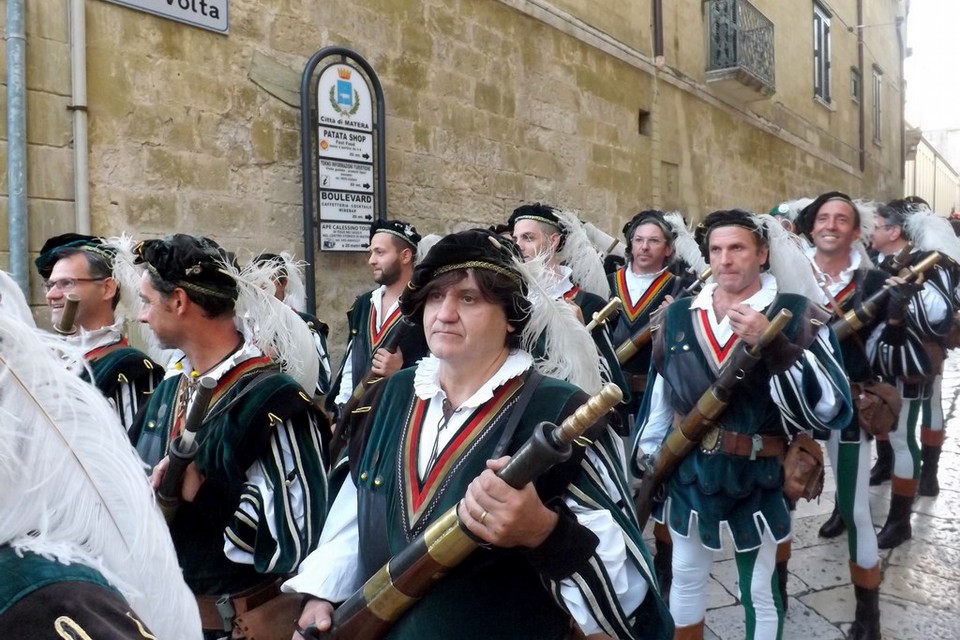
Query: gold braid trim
477	264
192	286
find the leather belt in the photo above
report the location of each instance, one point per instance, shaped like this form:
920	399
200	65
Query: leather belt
636	381
743	445
217	612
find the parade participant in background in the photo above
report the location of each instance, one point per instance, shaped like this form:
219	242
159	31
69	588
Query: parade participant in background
288	288
83	550
375	314
437	437
928	318
84	266
832	222
734	480
573	271
255	495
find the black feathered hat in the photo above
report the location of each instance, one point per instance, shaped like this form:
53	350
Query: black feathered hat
732	217
194	263
471	249
539	213
403	230
52	249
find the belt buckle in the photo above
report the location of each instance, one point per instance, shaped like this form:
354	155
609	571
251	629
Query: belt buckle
756	445
710	443
227	613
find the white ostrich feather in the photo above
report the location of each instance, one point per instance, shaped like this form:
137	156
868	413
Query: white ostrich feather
685	247
570	352
930	232
603	241
426	243
296	292
74	490
12	300
273	326
579	254
788	261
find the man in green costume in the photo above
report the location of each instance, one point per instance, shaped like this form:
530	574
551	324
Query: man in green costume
255	496
83	266
561	551
734	480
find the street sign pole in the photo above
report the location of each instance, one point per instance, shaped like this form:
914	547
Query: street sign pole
343	155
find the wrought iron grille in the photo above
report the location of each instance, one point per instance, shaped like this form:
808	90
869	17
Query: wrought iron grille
740	37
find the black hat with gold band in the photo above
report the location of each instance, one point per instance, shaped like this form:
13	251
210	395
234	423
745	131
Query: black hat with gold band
397	228
194	263
53	249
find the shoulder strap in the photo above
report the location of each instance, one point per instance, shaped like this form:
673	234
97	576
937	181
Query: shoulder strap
530	385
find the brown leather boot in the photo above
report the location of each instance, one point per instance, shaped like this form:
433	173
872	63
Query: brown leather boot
866	586
689	632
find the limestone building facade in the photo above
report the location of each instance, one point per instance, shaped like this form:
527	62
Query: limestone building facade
602	106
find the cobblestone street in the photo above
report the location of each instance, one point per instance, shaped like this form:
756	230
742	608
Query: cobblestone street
920	592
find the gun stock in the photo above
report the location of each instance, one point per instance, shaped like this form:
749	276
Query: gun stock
341	436
370	612
184	449
690	431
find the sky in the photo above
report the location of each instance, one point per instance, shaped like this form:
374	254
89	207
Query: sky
933	70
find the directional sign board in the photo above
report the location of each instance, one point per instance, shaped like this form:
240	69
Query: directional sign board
345	145
346	176
345	153
344	236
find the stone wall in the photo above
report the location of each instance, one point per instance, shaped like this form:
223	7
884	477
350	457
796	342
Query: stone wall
490	103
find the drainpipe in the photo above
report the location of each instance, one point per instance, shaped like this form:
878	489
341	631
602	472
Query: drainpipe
861	111
17	144
78	75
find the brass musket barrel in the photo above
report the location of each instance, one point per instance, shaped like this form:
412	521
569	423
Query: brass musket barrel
371	611
66	325
600	317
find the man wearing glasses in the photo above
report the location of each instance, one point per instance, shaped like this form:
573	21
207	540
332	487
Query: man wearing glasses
83	266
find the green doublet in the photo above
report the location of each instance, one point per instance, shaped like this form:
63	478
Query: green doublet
494	593
43	599
718	486
250	405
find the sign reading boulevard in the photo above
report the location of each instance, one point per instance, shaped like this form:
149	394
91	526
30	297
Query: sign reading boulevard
345	150
206	14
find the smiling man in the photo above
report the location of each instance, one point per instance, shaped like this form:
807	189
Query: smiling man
83	266
832	223
560	551
734	481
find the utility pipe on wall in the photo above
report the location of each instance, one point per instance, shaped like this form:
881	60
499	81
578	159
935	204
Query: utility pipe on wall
17	144
78	76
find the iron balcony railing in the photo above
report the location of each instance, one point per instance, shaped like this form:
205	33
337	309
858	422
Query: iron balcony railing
741	38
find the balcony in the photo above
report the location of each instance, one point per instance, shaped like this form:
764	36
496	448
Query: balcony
740	43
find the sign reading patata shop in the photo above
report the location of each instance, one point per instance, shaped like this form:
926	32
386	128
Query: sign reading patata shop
206	14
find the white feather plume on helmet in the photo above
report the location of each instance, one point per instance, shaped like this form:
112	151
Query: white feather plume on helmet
579	254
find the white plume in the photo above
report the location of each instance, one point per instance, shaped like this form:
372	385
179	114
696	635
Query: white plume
12	300
296	292
569	351
603	241
789	263
685	247
930	232
426	243
579	254
74	490
273	326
